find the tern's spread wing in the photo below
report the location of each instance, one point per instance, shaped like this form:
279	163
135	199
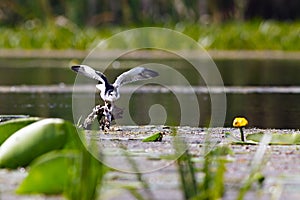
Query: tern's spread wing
89	72
135	74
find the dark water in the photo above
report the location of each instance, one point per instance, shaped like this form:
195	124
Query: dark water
265	110
262	110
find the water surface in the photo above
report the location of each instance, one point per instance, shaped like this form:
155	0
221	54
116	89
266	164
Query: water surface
274	109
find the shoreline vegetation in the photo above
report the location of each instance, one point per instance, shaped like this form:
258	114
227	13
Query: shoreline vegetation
246	35
66	54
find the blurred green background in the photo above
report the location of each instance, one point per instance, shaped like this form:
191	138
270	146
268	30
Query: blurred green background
215	24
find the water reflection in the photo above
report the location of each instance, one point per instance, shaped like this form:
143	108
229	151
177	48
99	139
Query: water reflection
262	110
40	104
266	110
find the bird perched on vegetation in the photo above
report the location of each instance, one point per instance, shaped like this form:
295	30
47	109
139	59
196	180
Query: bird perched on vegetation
110	92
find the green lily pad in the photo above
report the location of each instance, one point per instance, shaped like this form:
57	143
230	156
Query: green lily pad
229	138
38	138
48	174
75	173
156	137
9	127
281	139
32	141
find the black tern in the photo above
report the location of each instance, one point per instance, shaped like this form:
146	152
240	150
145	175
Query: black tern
110	92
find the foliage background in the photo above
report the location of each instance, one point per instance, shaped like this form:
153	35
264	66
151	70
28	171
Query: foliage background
216	24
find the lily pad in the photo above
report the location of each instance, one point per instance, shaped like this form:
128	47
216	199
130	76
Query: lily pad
75	173
38	138
32	141
231	139
281	139
156	137
42	172
9	127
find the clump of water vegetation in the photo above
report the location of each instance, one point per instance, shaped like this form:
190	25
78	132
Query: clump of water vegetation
213	185
213	170
79	175
247	35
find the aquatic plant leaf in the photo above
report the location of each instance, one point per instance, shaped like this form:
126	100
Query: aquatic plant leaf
186	169
139	176
257	164
222	150
156	137
9	127
136	194
32	141
71	170
85	177
283	139
48	174
76	138
231	139
75	173
214	168
38	138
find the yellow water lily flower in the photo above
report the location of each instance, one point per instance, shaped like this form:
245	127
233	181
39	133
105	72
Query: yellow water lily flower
239	122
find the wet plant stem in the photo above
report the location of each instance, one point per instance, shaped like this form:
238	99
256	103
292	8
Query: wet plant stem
242	134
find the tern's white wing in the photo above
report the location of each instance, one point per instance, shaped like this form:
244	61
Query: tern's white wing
89	72
135	74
